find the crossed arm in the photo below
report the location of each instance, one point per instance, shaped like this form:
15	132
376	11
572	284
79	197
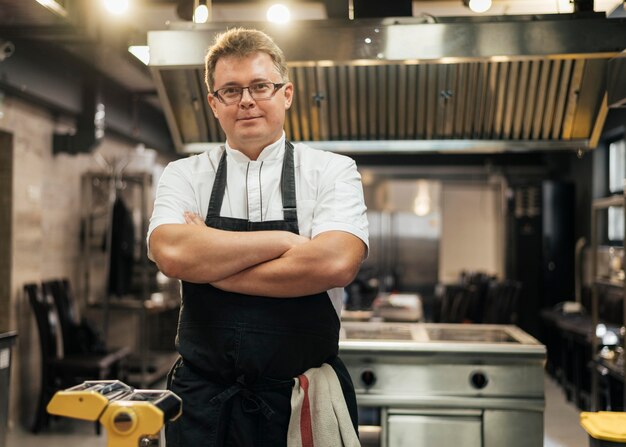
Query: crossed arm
263	263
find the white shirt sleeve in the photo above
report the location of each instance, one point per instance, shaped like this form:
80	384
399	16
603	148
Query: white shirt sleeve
174	196
340	203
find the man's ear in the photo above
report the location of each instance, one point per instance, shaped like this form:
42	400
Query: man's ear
288	95
213	103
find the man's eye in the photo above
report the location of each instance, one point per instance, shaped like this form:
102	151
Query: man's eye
261	87
230	91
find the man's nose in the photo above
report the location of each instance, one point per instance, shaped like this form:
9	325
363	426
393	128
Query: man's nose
246	98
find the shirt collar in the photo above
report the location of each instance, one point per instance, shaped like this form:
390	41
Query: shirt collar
274	151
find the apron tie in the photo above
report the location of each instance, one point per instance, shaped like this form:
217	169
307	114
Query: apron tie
253	403
250	401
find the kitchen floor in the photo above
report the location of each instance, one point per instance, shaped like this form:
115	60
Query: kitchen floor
561	419
561	428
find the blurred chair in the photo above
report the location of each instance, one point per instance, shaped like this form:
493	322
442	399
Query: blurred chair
78	336
502	302
452	303
60	370
478	298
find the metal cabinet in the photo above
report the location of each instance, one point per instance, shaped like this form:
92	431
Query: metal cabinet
452	427
447	385
512	428
408	428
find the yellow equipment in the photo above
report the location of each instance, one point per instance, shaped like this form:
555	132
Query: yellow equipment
131	417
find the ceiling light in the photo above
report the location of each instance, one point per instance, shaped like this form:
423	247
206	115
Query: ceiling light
55	7
422	203
117	7
202	12
479	5
141	52
278	14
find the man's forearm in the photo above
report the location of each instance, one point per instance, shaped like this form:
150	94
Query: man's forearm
197	253
279	278
329	261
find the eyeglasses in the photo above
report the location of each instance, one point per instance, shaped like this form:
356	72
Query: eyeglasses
260	91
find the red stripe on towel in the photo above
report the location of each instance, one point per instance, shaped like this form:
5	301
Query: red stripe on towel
306	426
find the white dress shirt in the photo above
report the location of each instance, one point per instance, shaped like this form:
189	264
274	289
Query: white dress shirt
329	193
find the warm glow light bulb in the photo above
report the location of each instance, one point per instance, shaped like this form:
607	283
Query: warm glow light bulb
480	5
422	203
116	6
278	14
201	14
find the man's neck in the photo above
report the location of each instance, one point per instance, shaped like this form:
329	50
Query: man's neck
252	150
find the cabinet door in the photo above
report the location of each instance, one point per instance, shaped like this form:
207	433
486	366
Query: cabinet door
404	430
513	428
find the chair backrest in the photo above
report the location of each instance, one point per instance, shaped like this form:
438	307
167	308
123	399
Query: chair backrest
58	290
47	322
502	302
452	304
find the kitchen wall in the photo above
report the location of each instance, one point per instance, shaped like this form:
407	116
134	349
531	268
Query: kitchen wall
46	223
471	234
462	229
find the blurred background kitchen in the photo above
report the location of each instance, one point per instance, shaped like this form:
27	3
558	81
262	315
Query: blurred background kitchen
490	136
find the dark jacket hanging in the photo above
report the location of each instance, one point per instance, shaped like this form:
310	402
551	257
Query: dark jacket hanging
122	244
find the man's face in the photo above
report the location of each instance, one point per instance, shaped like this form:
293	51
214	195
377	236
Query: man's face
249	124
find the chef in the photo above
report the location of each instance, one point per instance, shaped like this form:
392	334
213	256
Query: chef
263	234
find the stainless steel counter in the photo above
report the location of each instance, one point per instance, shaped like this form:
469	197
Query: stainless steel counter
425	337
446	384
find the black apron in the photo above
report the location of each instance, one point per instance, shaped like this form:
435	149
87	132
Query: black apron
240	353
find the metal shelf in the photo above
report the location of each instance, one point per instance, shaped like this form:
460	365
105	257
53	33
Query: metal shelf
99	190
597	206
612	369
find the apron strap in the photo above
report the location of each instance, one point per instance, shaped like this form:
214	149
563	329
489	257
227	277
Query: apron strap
219	187
288	185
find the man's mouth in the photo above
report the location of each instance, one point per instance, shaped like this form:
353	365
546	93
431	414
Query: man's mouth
248	118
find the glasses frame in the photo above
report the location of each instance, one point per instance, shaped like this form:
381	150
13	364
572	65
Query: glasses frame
277	86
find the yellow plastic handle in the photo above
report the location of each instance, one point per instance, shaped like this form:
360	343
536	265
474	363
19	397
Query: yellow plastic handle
86	405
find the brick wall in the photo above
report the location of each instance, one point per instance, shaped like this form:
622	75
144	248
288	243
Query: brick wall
46	223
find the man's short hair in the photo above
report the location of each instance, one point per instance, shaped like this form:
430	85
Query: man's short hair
241	42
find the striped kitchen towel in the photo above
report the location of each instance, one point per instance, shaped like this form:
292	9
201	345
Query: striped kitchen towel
319	414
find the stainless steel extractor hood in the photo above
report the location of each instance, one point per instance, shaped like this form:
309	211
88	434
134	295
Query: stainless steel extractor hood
616	88
410	84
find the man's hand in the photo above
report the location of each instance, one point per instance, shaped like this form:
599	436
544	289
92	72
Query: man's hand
193	218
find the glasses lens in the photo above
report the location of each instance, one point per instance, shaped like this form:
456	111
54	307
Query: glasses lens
231	94
261	90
